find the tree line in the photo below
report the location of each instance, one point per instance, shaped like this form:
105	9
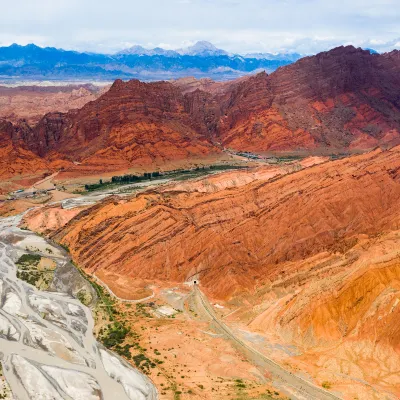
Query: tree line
123	179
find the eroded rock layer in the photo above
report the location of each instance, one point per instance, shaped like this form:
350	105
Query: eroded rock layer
339	101
238	236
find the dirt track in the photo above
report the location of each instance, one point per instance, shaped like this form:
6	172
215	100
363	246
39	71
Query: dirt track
298	387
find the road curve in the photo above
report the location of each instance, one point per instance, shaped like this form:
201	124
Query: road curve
287	378
101	283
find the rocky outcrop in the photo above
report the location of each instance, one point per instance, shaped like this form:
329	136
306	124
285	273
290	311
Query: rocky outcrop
133	122
15	158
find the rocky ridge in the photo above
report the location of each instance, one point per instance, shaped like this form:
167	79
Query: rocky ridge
343	100
235	236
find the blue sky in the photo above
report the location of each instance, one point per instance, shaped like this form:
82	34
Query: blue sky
240	26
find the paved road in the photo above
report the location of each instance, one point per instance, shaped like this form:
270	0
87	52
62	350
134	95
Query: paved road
302	388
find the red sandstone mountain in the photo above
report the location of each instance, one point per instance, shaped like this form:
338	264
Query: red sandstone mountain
133	123
31	103
342	100
15	158
345	98
308	257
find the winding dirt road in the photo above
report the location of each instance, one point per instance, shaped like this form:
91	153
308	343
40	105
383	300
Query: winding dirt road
299	388
103	284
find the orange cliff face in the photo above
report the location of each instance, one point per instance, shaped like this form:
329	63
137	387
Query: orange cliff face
15	158
132	122
237	237
268	131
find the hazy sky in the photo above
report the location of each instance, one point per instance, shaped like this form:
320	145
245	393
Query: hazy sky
305	26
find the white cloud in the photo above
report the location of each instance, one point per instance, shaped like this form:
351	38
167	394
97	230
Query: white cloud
242	26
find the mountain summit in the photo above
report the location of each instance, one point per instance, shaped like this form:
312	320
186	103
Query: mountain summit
142	51
202	49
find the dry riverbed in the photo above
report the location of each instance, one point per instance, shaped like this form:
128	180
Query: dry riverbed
47	347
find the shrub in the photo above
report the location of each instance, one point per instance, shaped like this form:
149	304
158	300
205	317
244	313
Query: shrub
326	384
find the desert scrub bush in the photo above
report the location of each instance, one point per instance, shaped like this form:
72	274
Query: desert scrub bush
123	350
143	362
29	277
141	311
326	384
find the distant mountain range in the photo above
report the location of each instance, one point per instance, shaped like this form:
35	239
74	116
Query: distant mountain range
203	59
200	49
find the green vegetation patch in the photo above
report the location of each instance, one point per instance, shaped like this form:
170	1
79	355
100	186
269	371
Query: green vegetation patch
179	174
27	260
115	334
141	311
326	384
30	271
84	297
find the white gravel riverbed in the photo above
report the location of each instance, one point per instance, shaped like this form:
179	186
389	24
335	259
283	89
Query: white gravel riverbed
47	348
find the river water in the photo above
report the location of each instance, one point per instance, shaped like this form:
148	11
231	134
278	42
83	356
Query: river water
47	348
